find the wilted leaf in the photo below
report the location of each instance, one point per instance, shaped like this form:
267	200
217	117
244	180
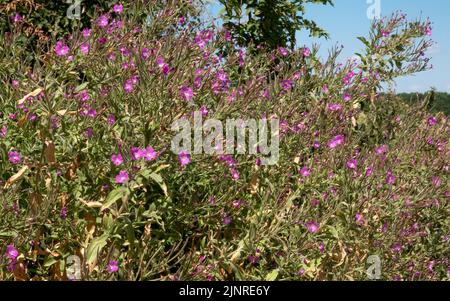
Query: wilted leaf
35	200
49	152
65	112
22	121
254	184
16	177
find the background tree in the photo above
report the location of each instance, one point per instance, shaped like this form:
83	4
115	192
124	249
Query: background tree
273	23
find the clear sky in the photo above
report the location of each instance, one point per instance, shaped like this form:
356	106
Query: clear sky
348	19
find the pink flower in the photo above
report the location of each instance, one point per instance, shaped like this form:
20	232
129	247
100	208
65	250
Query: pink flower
184	158
150	154
61	49
16	18
14	157
111	119
84	48
369	171
122	177
436	181
118	8
204	111
432	121
137	153
347	97
241	58
102	21
86	32
286	84
63	212
334	107
145	53
128	86
305	172
116	159
359	219
390	178
163	66
382	150
226	220
352	164
186	93
336	141
306	52
89	132
283	51
235	174
11	252
113	266
3	131
312	227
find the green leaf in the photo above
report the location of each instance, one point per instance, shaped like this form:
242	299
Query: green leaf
50	261
333	231
157	178
8	234
114	196
364	40
95	248
272	276
81	87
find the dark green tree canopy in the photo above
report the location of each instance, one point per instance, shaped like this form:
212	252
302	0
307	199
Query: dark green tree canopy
273	23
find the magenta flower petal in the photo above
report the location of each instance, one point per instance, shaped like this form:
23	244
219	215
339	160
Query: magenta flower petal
11	252
122	177
312	227
184	158
14	157
113	266
336	141
116	159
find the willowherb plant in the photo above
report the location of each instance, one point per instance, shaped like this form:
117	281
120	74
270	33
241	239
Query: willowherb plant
86	166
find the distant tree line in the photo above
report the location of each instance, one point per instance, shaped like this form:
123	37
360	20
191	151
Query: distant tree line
435	101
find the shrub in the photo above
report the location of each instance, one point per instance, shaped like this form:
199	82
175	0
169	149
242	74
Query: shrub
86	166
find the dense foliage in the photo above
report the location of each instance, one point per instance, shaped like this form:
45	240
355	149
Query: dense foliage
86	167
272	23
435	101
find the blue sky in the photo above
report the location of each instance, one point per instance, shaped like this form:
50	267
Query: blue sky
348	20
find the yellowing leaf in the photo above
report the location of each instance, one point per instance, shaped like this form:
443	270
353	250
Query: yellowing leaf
16	177
49	152
65	112
254	184
22	121
33	94
272	276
